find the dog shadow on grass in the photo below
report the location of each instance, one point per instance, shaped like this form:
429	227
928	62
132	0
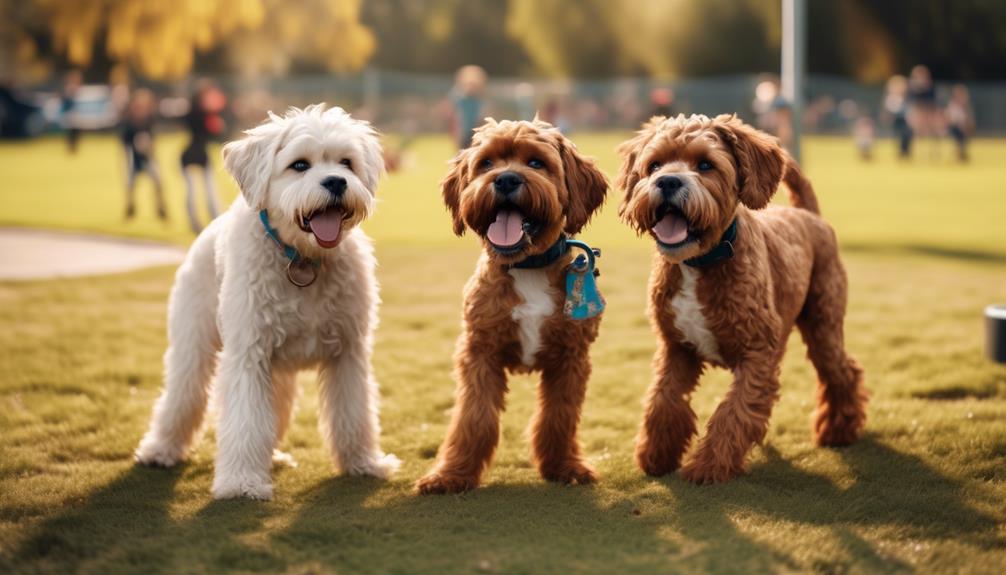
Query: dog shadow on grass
502	527
352	524
128	525
135	504
497	528
889	489
643	526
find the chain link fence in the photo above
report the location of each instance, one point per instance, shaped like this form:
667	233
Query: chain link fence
417	103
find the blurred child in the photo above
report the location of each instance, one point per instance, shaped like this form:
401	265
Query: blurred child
863	130
68	104
960	119
204	122
896	105
138	139
467	98
924	115
773	111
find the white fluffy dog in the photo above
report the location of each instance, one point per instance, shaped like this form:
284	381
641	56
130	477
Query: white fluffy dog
281	282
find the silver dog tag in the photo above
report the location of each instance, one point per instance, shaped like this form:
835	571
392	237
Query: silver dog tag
301	273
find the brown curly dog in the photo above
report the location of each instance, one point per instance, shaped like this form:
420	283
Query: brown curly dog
522	187
730	279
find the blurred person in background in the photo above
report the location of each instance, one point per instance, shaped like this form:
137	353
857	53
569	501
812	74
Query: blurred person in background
924	116
552	113
204	122
864	131
662	102
773	110
118	84
960	119
138	139
896	107
71	85
467	97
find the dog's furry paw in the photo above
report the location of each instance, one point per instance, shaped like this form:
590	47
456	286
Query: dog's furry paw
577	473
283	459
656	465
703	474
837	436
381	466
836	429
437	483
154	453
242	486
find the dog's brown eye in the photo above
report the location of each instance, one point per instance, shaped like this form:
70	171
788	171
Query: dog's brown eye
535	163
347	162
653	167
485	164
705	166
300	166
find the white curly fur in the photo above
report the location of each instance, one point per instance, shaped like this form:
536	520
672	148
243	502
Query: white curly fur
233	305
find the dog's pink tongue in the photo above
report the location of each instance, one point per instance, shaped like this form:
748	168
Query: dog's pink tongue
672	229
327	226
508	229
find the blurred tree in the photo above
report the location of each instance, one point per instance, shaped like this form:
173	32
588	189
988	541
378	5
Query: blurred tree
864	39
961	39
21	60
160	39
317	35
662	38
440	36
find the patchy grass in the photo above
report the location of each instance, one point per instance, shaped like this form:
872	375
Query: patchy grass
924	491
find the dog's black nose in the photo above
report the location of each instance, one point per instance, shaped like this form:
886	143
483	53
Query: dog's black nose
507	183
669	186
336	185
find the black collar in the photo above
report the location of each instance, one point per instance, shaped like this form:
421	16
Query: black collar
544	259
723	250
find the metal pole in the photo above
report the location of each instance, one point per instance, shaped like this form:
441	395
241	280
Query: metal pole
794	48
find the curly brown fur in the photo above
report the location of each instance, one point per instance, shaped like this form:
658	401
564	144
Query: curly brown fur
560	191
736	313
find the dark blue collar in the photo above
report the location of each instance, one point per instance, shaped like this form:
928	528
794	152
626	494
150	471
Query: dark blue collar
291	252
546	258
723	250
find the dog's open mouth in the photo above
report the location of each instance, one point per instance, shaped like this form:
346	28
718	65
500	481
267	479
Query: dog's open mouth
508	233
672	229
325	224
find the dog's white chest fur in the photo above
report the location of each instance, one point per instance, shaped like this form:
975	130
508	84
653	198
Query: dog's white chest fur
539	303
689	319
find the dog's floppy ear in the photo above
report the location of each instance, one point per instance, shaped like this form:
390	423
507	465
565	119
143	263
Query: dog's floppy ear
760	160
451	187
249	162
629	150
586	186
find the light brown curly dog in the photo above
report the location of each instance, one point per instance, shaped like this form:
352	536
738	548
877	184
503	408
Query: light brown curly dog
729	280
522	187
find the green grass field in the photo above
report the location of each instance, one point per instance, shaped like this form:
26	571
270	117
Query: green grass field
924	491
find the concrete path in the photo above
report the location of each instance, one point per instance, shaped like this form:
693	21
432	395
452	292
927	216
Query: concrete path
40	254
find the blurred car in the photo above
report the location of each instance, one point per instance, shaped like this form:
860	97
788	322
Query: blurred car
93	109
20	117
31	114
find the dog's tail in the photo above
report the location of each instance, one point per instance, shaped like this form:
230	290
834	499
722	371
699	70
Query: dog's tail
801	193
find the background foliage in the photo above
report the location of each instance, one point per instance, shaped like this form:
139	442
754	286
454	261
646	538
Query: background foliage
862	39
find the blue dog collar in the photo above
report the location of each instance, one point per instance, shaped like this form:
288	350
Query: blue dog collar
291	252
